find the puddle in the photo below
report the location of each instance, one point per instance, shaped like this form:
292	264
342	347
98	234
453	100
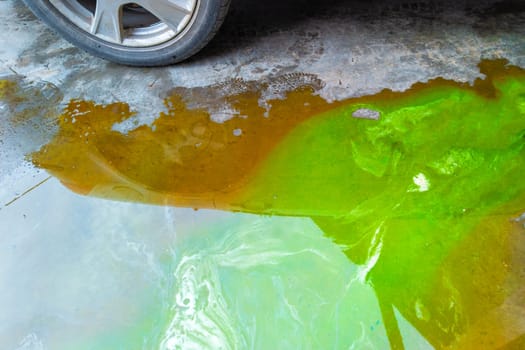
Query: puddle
421	189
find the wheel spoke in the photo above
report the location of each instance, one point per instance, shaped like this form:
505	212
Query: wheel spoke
171	12
130	23
107	20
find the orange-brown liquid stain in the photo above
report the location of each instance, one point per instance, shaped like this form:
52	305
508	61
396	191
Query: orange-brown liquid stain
23	100
492	289
184	158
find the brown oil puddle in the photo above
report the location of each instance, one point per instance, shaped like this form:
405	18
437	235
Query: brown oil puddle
184	158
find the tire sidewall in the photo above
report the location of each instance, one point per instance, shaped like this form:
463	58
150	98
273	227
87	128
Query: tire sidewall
201	28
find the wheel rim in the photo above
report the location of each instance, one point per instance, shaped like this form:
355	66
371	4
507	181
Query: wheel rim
133	24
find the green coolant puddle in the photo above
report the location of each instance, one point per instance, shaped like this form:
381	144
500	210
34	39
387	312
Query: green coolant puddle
422	188
424	198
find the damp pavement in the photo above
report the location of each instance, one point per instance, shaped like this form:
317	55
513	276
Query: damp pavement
89	272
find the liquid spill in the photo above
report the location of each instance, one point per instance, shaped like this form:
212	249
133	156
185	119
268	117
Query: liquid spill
27	118
419	187
184	158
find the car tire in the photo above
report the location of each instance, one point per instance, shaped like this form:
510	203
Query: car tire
155	44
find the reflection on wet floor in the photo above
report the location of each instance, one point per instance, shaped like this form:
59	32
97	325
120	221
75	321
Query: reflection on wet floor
422	188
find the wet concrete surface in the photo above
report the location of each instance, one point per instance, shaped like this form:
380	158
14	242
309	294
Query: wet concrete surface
355	47
84	272
352	47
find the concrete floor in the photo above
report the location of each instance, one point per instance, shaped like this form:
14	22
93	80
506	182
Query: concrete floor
355	47
52	237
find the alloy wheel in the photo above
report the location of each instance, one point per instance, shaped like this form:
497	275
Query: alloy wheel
140	24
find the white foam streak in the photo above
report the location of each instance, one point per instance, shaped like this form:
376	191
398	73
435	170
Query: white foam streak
200	317
201	314
374	252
